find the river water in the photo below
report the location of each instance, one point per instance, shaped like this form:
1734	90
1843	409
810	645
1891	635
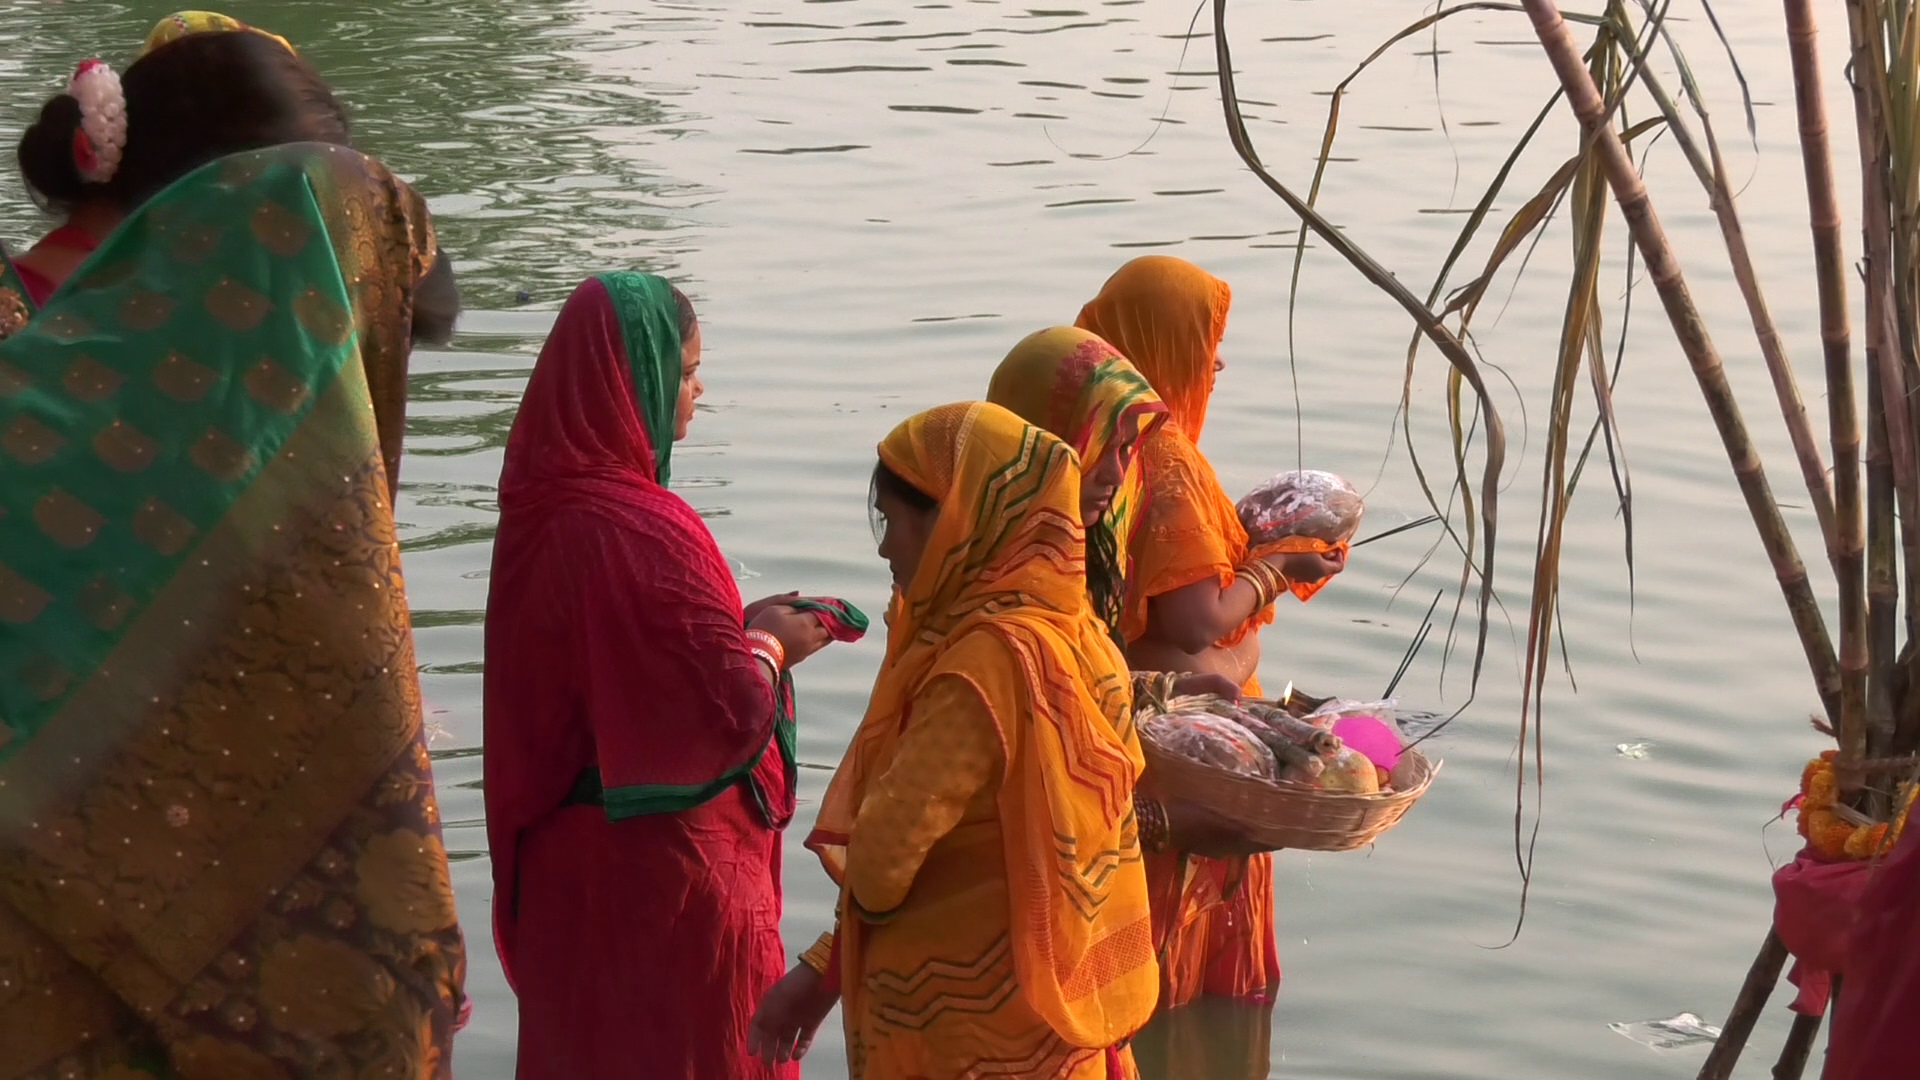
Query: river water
871	201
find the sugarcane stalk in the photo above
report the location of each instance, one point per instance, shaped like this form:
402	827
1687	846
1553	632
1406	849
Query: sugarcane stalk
1798	1047
1754	992
1848	538
1883	590
1886	374
1556	39
1712	174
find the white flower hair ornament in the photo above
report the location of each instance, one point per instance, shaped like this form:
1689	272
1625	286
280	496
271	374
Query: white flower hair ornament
102	136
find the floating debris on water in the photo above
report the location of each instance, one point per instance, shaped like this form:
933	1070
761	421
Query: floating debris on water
1681	1031
1638	751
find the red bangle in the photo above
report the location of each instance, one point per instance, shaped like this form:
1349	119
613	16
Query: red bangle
770	645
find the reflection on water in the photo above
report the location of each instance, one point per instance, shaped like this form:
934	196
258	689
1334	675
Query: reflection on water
871	202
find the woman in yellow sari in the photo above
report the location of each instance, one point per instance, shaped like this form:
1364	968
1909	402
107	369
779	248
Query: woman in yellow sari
1195	602
1071	383
993	915
220	856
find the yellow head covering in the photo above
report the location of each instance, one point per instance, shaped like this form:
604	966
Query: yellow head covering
1075	385
1000	600
1167	316
181	23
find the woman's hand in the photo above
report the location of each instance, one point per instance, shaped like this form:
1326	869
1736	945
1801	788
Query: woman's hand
801	635
1309	566
1194	829
1219	686
761	605
789	1014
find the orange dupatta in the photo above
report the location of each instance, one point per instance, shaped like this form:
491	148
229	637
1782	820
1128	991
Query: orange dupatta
1004	570
1167	316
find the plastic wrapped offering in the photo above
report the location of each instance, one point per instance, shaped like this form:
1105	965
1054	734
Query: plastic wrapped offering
1315	737
1309	503
1334	710
1211	740
1292	751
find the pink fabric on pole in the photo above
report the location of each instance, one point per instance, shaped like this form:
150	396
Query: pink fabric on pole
1815	906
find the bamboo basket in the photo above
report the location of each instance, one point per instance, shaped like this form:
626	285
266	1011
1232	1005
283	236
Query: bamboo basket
1283	813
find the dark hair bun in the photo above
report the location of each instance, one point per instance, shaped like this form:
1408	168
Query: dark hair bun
46	154
683	308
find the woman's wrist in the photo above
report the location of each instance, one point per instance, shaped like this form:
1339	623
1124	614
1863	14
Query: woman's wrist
1154	685
768	649
1258	583
1155	834
767	671
1267	580
820	956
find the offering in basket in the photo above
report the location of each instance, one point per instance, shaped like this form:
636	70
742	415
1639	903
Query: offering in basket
1290	779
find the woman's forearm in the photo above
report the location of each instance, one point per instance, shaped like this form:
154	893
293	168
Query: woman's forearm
1193	617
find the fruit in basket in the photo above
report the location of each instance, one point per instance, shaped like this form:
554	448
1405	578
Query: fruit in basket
1211	740
1351	772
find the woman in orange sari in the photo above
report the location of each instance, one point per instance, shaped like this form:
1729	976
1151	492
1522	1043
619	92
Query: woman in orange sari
1196	598
1079	388
993	916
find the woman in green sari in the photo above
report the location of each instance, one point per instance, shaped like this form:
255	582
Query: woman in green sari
220	855
16	303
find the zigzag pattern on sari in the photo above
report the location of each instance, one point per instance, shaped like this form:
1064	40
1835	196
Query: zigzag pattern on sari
1019	942
918	997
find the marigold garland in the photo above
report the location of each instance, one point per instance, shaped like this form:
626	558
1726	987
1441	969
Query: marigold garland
1832	835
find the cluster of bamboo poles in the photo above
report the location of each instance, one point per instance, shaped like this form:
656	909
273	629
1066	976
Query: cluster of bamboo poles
1864	686
1868	678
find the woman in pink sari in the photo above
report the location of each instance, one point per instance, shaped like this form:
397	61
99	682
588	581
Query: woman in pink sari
639	736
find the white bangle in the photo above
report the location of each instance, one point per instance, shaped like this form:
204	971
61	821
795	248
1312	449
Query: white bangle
765	657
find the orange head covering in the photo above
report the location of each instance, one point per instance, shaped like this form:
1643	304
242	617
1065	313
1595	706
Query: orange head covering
999	599
1167	316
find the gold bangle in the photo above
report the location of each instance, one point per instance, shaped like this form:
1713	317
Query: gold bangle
1282	583
1252	574
818	956
1275	579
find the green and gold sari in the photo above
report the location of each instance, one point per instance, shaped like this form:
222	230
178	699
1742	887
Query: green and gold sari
220	854
16	304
